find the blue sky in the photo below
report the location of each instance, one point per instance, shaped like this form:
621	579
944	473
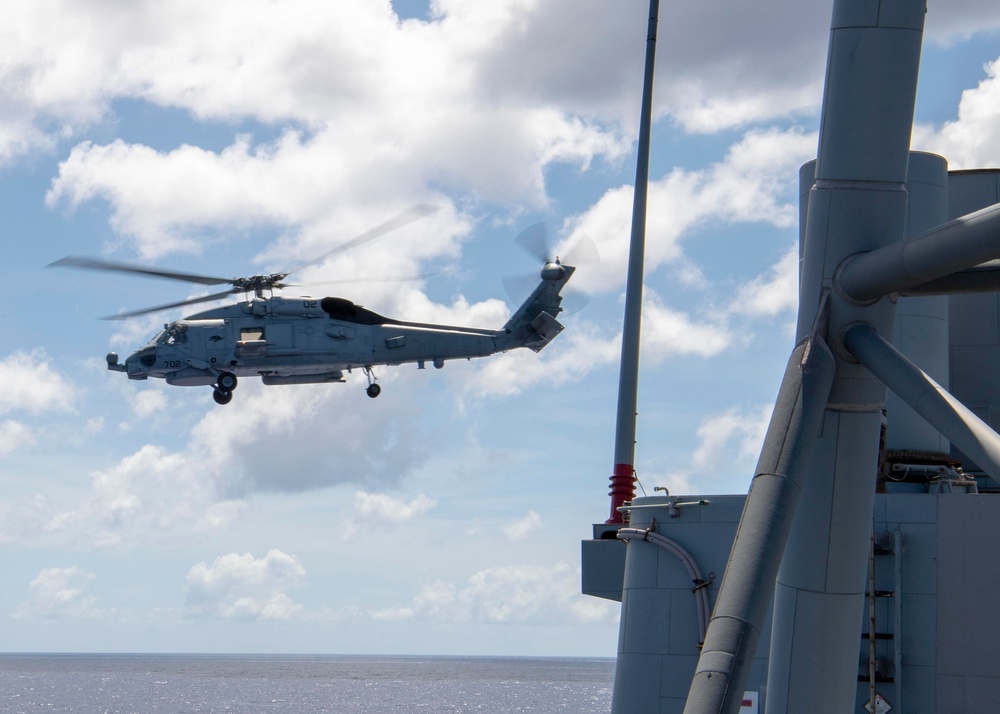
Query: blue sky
445	516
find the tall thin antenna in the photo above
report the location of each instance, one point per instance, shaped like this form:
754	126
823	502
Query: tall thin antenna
623	478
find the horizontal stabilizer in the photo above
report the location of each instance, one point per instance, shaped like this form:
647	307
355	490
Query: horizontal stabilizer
546	328
534	325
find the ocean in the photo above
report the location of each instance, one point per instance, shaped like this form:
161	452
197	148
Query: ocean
303	684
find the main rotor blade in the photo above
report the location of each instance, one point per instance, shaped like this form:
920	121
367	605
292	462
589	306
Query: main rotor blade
182	303
75	261
384	279
406	217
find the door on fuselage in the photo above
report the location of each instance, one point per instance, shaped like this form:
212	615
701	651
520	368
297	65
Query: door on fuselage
216	344
205	340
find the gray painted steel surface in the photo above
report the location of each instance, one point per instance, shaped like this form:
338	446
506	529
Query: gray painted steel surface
658	637
951	660
748	586
941	654
921	326
927	398
974	320
857	204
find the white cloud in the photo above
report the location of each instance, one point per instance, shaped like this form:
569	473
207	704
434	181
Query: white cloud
15	435
728	446
733	433
666	333
959	20
507	595
381	509
277	439
575	353
772	294
755	183
387	116
521	528
148	402
973	139
150	494
28	382
60	592
241	587
723	459
354	67
389	129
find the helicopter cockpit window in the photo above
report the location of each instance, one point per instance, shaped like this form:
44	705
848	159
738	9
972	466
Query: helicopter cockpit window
174	335
251	334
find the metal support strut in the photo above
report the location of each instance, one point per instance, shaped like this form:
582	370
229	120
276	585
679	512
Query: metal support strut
373	389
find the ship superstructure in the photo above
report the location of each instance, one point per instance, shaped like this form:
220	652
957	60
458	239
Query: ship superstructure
844	580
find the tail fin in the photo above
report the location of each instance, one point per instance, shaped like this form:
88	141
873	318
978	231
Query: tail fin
534	324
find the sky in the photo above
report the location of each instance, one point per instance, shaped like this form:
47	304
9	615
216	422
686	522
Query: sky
444	517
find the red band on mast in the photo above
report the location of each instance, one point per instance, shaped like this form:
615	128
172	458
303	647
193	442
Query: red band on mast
622	491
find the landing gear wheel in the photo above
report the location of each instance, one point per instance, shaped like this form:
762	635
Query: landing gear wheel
227	381
222	396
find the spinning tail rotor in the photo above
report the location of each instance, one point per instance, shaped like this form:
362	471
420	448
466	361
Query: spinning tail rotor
535	241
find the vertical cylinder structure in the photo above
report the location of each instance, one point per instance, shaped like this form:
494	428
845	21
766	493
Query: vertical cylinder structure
858	203
746	592
921	326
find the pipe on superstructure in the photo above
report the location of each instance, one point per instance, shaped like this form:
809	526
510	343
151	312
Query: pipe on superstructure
623	478
957	245
748	586
700	593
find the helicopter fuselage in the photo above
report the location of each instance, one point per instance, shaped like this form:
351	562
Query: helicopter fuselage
296	341
309	340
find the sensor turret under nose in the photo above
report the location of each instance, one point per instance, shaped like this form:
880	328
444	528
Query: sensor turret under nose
113	363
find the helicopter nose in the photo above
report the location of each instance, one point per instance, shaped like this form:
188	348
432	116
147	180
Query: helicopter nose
135	366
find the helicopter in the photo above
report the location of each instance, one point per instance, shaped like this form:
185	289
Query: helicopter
307	340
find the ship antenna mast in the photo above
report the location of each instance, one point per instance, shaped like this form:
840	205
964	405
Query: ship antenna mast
623	478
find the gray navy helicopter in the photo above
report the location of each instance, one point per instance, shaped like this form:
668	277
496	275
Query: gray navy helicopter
306	340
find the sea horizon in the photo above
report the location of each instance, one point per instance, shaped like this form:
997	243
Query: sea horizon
178	683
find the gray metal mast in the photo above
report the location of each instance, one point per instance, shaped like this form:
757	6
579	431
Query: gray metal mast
623	478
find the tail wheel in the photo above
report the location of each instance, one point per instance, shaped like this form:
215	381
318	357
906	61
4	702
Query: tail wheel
222	396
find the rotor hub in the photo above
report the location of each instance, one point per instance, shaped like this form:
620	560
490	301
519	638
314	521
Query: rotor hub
553	270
